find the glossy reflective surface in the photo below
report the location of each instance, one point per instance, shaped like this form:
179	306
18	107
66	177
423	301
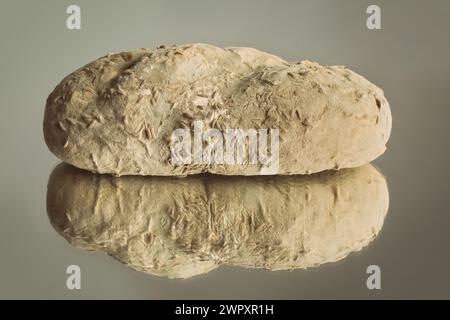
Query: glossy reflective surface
183	227
408	58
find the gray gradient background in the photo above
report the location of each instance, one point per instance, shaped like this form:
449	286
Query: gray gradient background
408	58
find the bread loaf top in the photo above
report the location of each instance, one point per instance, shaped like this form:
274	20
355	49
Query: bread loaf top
119	113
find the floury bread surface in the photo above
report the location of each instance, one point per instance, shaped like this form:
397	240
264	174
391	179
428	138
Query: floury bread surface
181	227
118	114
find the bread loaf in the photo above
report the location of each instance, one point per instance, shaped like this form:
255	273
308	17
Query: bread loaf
181	227
118	114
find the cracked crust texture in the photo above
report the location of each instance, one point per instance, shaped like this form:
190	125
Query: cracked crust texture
181	227
116	114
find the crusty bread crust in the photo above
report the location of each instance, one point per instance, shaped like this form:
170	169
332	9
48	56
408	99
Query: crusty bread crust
116	114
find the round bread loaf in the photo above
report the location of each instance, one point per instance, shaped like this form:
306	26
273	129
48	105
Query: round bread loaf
179	228
118	114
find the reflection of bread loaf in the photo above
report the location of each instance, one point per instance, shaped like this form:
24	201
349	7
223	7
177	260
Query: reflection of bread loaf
182	227
116	115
